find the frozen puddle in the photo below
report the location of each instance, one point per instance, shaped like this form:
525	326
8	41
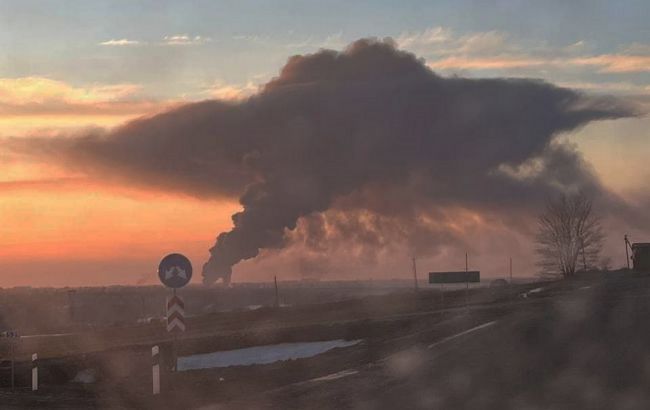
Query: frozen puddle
260	354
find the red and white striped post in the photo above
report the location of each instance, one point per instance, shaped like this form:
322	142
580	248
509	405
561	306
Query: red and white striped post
155	369
34	372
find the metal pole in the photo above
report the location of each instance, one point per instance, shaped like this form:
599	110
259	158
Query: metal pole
627	255
12	365
34	372
584	259
511	270
71	311
155	369
415	275
175	342
277	297
466	282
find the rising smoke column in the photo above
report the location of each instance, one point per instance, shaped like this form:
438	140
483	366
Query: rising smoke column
373	113
333	124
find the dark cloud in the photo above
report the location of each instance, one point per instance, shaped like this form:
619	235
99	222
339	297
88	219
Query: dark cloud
366	131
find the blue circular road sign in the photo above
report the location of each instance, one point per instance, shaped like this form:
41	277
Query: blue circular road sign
175	270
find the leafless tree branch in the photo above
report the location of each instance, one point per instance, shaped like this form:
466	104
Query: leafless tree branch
569	236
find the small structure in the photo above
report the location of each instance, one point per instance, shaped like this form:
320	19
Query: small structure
641	256
498	283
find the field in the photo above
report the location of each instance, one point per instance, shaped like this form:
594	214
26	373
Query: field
568	344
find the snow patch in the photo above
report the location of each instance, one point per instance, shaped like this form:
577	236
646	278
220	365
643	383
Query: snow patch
260	354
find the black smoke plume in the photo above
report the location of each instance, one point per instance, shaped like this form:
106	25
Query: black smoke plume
371	124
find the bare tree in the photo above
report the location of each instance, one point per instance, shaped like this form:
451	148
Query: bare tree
569	236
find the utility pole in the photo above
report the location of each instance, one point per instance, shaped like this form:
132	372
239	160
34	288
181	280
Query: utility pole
511	270
277	297
13	366
627	255
34	371
155	369
466	282
584	259
415	275
143	310
71	309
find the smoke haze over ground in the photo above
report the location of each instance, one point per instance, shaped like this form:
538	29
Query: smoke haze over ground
365	149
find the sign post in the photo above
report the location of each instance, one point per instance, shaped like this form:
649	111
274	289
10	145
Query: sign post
13	366
175	323
511	270
175	271
467	282
12	335
415	275
455	277
155	369
34	372
175	314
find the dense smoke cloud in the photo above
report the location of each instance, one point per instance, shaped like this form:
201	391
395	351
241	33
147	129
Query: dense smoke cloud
367	131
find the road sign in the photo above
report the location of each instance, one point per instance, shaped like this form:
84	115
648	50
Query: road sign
175	270
454	277
175	314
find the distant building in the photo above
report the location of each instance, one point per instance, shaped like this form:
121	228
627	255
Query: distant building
641	256
498	283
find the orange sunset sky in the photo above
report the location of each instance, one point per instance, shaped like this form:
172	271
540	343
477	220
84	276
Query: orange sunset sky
99	65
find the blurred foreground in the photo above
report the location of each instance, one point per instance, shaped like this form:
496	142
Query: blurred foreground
581	343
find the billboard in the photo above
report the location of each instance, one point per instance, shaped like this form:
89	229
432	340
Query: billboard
455	277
